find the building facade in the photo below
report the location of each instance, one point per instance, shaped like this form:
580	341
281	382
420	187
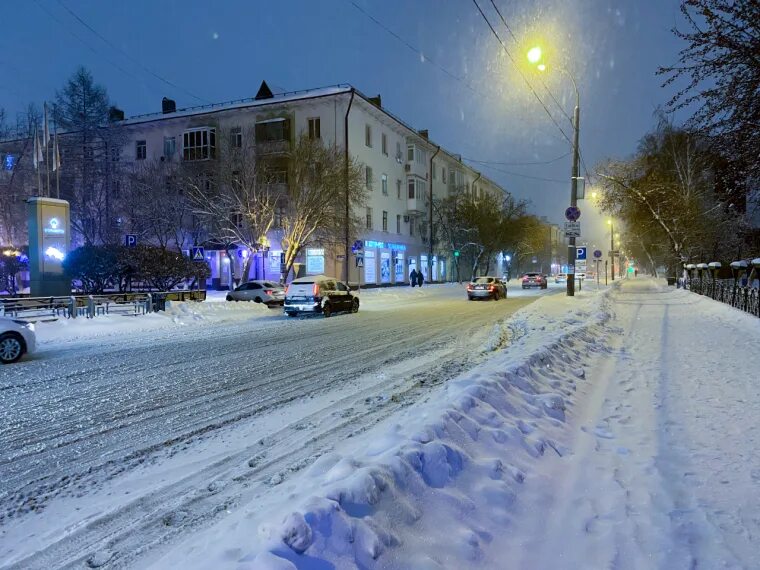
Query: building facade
402	167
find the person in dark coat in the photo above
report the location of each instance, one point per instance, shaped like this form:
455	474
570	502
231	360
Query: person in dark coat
420	278
413	277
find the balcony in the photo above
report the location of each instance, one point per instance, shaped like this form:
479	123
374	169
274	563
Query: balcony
415	207
265	148
414	168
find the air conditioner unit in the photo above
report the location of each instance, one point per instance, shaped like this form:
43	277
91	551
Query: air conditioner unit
408	167
406	218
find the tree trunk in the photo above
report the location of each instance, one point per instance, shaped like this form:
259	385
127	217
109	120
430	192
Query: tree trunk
247	268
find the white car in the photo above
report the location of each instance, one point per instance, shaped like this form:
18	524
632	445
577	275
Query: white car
265	292
16	339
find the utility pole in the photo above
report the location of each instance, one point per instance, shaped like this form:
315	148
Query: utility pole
574	193
612	250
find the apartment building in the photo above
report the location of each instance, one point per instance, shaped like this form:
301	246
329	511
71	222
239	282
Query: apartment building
400	165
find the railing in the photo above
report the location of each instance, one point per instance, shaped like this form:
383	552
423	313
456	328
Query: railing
727	291
91	306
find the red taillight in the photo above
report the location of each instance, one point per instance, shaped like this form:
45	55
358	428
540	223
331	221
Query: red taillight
469	286
492	287
315	289
287	288
268	292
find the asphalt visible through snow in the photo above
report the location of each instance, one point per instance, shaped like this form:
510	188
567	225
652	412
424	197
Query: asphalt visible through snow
76	417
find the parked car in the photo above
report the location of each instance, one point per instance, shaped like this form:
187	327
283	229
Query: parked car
534	280
265	292
319	294
560	278
486	288
16	339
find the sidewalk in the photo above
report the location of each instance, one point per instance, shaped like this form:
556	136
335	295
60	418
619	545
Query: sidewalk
665	469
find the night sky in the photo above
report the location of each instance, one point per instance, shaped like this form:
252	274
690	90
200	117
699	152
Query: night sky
445	72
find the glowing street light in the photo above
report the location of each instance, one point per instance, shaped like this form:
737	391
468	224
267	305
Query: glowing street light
535	55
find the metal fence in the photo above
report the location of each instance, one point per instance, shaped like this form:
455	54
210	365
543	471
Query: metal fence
727	291
91	306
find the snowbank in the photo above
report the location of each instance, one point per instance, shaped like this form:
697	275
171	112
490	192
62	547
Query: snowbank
437	487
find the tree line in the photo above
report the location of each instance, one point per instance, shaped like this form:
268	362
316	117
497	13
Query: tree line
684	194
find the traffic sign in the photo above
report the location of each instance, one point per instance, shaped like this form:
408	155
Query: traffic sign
572	229
597	253
197	254
573	213
341	257
580	253
359	261
358	246
130	240
580	266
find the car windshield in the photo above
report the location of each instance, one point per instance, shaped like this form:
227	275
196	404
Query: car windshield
484	280
532	275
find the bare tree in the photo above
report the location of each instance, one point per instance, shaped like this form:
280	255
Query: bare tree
313	210
239	203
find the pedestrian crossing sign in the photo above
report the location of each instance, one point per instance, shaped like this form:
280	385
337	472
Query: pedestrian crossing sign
197	254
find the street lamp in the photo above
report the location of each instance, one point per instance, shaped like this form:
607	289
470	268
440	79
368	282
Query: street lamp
612	249
535	57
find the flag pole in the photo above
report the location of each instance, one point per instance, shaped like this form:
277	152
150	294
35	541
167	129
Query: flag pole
57	159
46	137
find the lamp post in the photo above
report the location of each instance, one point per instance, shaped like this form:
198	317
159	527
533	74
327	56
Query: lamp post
535	57
612	249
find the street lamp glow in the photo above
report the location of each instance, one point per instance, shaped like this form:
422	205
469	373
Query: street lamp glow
541	67
594	195
534	55
609	222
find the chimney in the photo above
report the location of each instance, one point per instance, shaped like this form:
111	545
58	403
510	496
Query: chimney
264	92
376	101
423	133
115	114
168	105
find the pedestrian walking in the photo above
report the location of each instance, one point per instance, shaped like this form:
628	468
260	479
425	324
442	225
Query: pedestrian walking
413	277
420	278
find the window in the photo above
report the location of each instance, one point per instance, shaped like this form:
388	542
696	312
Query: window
443	174
314	128
199	144
237	219
398	223
141	150
273	130
398	151
384	144
279	177
411	188
369	218
368	135
236	138
385	221
368	177
384	180
170	147
410	153
398	189
342	287
115	154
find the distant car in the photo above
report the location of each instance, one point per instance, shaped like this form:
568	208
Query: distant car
265	292
486	288
534	280
319	294
16	339
560	278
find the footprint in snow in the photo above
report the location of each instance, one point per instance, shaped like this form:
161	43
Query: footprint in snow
599	432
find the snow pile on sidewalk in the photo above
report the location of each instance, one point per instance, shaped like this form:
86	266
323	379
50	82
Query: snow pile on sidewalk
437	488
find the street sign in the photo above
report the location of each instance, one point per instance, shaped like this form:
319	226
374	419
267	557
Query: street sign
580	253
197	254
130	240
359	261
580	266
341	257
572	229
573	213
358	246
597	254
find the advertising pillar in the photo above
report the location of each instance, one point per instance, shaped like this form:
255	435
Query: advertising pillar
49	242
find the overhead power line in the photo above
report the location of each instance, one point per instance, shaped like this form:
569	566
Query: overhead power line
128	56
520	175
518	163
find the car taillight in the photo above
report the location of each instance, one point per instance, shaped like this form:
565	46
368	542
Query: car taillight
492	287
268	292
287	289
469	286
315	289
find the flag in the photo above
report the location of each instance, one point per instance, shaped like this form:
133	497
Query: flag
56	154
46	129
37	149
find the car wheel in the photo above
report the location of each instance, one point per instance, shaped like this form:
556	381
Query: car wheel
355	306
327	310
11	348
291	314
229	298
257	300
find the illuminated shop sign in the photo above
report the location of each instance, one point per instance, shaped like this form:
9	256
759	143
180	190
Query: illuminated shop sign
9	162
53	228
383	245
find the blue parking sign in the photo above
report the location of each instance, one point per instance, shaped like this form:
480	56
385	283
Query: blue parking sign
580	253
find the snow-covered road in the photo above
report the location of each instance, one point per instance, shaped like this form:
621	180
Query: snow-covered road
109	439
